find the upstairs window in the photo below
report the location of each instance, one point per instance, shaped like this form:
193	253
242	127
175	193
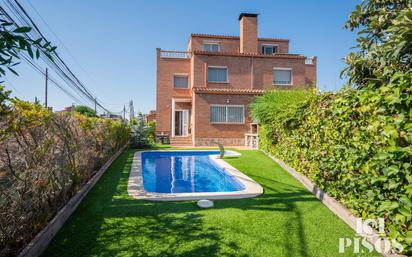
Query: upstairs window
217	74
211	47
269	49
180	81
227	114
282	76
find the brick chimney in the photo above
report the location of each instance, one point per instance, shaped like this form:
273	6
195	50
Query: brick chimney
248	33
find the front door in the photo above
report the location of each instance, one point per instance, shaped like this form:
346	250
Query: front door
181	122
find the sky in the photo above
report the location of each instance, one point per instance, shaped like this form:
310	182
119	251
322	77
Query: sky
111	44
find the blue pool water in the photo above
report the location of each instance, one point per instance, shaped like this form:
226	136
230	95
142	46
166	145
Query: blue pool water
185	172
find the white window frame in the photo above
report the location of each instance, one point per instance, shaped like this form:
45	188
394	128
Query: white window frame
227	105
218	67
282	68
270	45
211	43
180	75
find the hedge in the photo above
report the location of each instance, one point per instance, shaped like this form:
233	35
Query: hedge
45	159
354	144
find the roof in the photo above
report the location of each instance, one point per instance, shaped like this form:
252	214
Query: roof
244	14
234	37
228	91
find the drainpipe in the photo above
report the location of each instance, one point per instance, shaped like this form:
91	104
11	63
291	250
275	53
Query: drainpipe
252	71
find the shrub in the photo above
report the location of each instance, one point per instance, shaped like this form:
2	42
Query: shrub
85	110
139	133
151	131
45	159
355	145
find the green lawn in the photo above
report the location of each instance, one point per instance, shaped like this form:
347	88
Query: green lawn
286	221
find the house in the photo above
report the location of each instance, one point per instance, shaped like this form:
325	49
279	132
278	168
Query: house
151	116
202	94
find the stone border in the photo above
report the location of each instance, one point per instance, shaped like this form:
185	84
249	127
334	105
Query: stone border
45	236
337	208
136	190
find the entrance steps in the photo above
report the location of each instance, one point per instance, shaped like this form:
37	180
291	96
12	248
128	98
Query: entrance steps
181	141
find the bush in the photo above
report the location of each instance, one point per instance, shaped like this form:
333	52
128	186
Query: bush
151	131
45	159
139	133
85	110
355	145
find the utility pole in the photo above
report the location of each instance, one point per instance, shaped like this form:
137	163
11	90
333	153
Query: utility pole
46	87
95	106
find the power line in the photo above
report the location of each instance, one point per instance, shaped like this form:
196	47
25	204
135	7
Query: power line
58	65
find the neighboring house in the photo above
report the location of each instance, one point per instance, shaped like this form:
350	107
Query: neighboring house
151	116
203	93
112	116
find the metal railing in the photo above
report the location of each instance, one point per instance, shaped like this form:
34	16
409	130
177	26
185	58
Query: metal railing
309	60
175	54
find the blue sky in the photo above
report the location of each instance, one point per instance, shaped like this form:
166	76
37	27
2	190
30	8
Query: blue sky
114	42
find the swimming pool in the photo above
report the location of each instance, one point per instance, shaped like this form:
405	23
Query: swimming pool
188	175
184	172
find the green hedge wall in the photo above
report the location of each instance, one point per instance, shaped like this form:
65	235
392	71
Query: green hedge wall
355	144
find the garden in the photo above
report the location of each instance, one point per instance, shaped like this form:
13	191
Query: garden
355	144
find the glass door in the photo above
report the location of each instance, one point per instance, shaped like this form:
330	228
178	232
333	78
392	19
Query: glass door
181	122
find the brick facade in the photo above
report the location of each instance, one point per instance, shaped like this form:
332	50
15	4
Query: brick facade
249	73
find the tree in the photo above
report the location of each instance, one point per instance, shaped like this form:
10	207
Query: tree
384	43
14	40
4	97
85	110
138	134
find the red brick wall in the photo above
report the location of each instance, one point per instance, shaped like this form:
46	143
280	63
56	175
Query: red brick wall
166	67
233	44
229	134
240	71
226	45
248	35
283	46
311	72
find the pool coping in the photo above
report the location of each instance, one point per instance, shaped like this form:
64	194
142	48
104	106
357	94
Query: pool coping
136	190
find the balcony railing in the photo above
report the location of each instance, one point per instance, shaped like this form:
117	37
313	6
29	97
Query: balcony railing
175	54
309	60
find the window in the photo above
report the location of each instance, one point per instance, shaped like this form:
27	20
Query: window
211	47
227	114
269	49
217	74
282	76
180	81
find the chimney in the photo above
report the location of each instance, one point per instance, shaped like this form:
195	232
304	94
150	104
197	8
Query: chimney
248	33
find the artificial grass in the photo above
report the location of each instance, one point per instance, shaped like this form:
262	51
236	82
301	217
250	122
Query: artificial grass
286	221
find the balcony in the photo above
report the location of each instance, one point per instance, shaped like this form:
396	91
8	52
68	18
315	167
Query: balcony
309	60
175	54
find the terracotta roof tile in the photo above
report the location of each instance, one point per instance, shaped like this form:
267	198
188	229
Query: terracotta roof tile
228	91
234	37
290	56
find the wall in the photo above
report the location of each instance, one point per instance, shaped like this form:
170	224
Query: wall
240	71
232	44
228	134
166	67
283	45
